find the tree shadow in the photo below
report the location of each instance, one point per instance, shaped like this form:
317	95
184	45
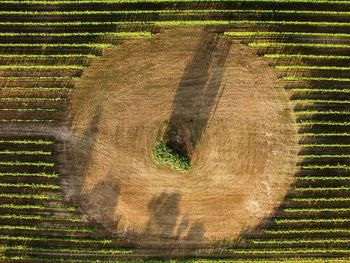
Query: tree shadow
80	149
168	228
106	208
200	87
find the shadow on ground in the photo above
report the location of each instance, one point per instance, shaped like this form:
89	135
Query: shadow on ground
202	78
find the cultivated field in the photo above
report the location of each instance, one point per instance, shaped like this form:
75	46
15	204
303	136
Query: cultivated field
87	86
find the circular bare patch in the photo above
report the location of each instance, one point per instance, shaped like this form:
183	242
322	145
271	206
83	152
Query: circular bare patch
243	132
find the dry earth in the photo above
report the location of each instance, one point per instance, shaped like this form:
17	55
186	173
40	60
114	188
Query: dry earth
245	154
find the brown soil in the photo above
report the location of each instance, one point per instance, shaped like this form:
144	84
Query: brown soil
245	154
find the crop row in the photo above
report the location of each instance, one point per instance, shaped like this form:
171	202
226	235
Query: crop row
299	45
325	188
301	78
27	120
40	218
307	231
176	23
303	67
311	220
37	152
37	207
319	199
326	166
325	134
20	163
323	101
25	174
316	90
79	45
28	141
46	229
301	241
304	56
38	67
321	112
246	34
110	2
317	210
291	251
32	196
315	156
30	109
323	123
173	11
33	186
55	250
50	239
19	99
323	178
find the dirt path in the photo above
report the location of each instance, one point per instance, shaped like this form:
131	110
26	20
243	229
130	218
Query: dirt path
245	154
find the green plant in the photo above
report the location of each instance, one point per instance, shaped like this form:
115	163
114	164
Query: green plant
162	154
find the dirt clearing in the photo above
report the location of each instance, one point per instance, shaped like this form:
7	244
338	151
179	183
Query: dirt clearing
244	132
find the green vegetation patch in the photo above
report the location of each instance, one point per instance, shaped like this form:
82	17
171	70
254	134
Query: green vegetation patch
163	155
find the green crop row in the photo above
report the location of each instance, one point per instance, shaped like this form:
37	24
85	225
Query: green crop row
301	78
304	56
19	163
299	45
32	196
38	57
28	141
51	239
300	241
326	101
38	207
311	220
37	78
324	145
81	2
325	188
323	123
290	251
307	231
288	67
39	89
76	34
315	156
30	109
33	186
87	259
321	112
49	229
48	45
325	134
283	34
38	67
55	250
41	218
31	99
24	174
319	199
174	11
177	23
317	210
323	178
326	166
27	120
10	152
315	90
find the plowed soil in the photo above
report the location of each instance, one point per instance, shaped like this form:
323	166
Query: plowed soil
245	150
